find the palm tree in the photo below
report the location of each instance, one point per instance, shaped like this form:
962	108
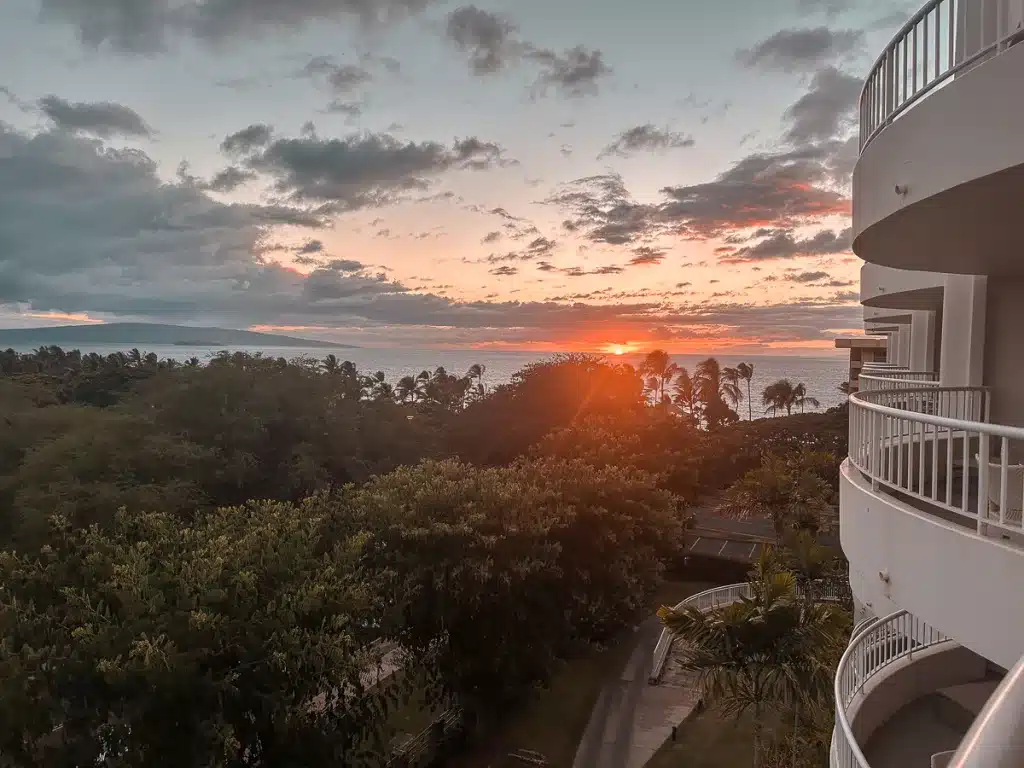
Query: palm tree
800	397
732	377
713	390
746	373
781	394
685	394
763	654
405	389
331	364
809	562
658	370
476	374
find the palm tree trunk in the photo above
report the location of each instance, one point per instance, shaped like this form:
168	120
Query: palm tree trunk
750	412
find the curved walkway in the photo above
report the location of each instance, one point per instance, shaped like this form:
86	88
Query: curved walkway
631	718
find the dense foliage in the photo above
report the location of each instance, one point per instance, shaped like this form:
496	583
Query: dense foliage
250	535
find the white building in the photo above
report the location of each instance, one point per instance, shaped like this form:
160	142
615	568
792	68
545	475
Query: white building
933	489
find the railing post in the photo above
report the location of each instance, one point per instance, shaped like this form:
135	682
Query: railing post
984	467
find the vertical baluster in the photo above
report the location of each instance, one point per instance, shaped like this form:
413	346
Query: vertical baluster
915	58
951	23
899	452
920	459
935	462
1004	475
984	467
906	69
965	473
949	466
924	50
938	40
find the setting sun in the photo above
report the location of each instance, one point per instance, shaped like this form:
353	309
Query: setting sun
618	350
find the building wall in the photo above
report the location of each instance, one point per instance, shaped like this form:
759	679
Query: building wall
1004	350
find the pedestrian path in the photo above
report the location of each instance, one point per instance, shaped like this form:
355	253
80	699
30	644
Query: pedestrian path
632	719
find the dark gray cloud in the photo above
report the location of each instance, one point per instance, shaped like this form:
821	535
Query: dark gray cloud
359	171
340	78
491	237
491	43
574	73
807	277
785	244
247	139
827	110
149	26
229	179
310	246
351	109
802	50
645	256
99	118
504	271
488	39
646	138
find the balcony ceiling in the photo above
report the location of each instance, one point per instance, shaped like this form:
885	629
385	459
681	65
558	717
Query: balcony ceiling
920	298
974	228
889	318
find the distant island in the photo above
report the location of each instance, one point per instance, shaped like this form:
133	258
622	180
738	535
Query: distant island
150	334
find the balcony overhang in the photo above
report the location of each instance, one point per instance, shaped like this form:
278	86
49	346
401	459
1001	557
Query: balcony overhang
861	342
939	188
887	288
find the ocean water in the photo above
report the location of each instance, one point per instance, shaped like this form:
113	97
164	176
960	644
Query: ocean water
821	375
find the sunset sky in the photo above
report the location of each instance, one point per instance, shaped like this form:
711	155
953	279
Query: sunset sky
556	174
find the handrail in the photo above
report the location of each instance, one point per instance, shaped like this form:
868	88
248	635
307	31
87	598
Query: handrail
996	737
718	597
892	86
875	647
868	382
704	601
936	445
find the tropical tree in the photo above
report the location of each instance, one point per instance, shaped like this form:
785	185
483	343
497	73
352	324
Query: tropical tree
331	365
780	396
685	396
406	389
746	373
800	397
763	654
658	371
786	491
476	375
229	642
714	392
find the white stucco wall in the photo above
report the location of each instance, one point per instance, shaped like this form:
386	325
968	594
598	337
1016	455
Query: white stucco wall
967	586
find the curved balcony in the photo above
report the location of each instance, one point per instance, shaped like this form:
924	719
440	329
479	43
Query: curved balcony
718	597
896	378
940	130
874	651
931	513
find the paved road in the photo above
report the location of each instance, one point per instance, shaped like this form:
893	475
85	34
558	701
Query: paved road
609	736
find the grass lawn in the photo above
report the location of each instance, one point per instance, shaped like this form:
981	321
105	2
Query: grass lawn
708	740
554	722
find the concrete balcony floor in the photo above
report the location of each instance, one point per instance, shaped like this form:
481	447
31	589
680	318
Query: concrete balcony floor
915	733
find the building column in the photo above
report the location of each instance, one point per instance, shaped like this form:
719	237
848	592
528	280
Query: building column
963	331
922	340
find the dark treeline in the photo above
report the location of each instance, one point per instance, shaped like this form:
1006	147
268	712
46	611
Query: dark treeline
202	560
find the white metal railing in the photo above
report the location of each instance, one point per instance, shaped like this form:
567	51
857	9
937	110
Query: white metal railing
944	37
829	591
896	379
936	445
884	366
703	601
876	646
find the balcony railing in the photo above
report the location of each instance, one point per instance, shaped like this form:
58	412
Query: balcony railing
896	378
825	590
872	649
930	48
935	445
